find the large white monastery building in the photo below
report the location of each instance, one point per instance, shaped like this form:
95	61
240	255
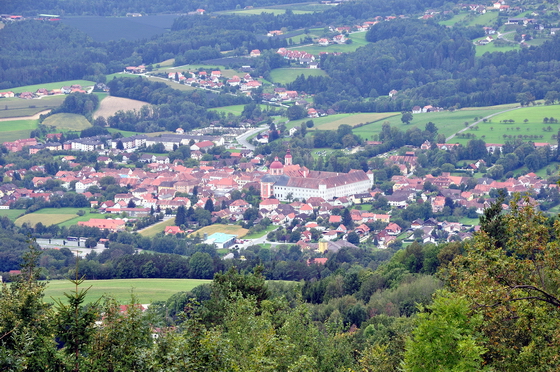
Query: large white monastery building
301	183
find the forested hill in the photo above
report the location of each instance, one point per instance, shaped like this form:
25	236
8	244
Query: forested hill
431	64
354	9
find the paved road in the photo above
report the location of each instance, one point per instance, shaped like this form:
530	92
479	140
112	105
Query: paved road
242	139
478	121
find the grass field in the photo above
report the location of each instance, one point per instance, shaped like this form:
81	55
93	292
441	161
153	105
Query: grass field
358	40
494	131
457	18
227	229
491	47
332	122
110	105
287	75
262	233
12	214
52	219
9	126
17	107
447	122
57	216
264	10
68	121
486	19
157	228
146	290
234	109
50	86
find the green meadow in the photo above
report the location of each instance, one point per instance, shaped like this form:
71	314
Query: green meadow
72	122
287	75
17	107
146	291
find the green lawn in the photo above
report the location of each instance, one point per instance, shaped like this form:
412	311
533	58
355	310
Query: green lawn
157	228
146	290
491	47
14	135
66	121
16	107
63	216
287	75
50	86
469	221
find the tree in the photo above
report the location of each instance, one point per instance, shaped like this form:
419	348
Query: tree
296	112
131	204
353	238
202	266
181	217
446	338
209	205
406	117
509	276
120	145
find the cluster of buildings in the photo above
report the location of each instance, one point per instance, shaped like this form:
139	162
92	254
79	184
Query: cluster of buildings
76	88
215	80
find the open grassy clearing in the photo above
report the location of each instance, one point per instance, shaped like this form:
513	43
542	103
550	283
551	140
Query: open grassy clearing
17	107
157	228
14	135
491	47
456	18
227	229
447	122
234	109
68	121
119	75
52	219
19	125
110	105
50	86
358	40
262	233
287	75
485	19
145	290
12	214
263	10
332	122
553	168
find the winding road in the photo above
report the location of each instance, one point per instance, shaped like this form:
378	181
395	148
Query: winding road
34	117
242	139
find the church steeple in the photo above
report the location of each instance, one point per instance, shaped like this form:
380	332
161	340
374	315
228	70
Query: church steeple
288	158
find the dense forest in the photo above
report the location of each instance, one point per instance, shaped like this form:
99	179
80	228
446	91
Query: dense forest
486	304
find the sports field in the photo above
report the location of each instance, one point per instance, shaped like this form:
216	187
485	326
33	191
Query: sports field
68	121
146	290
50	86
226	229
287	75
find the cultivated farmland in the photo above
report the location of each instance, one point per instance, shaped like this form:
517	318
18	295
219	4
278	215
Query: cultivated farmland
226	229
145	290
110	105
68	121
52	219
287	75
57	216
157	228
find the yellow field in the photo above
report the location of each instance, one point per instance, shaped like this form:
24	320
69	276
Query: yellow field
355	119
68	121
110	105
45	219
226	229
